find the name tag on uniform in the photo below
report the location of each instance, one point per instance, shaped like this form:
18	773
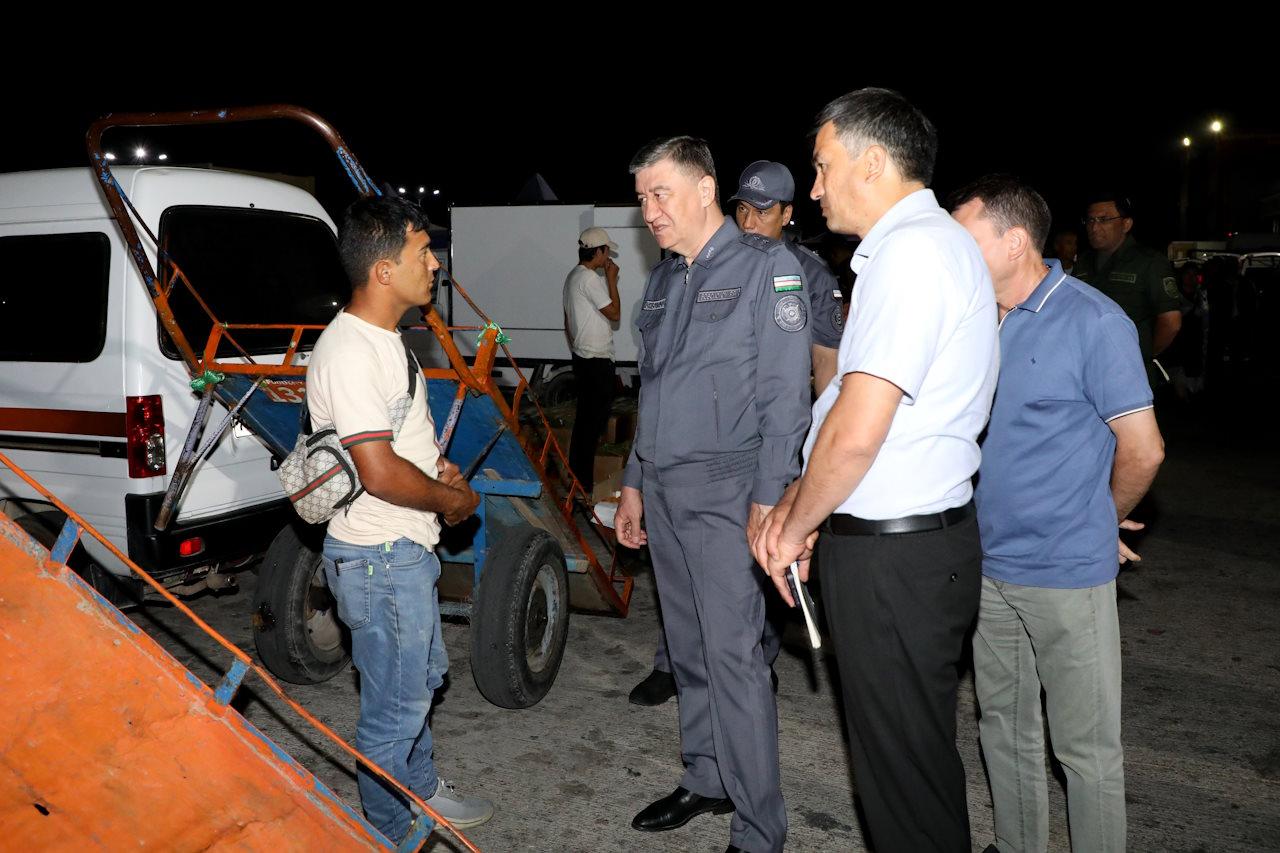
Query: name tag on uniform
719	295
655	304
1125	277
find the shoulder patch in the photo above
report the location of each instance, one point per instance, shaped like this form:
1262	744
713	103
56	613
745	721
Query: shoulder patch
784	283
1171	287
790	314
837	317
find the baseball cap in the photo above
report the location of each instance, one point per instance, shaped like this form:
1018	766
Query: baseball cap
765	183
595	237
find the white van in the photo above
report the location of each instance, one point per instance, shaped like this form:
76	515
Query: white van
94	400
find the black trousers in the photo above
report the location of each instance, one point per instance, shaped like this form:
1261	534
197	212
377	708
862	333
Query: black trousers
899	608
596	381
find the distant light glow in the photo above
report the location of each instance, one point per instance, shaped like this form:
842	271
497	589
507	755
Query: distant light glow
140	153
1216	126
435	192
162	157
1186	142
110	156
401	190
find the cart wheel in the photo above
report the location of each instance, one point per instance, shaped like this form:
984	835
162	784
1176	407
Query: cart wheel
561	388
521	619
295	619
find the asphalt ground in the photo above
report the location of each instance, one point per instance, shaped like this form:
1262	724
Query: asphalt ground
1201	691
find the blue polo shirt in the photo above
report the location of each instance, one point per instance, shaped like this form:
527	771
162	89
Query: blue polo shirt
1069	363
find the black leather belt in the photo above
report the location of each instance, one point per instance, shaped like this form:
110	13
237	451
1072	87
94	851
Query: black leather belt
849	525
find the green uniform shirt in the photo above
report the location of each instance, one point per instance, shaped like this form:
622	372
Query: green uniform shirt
1139	280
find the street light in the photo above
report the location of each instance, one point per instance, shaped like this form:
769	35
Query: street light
1216	126
162	157
1186	142
435	192
401	190
140	153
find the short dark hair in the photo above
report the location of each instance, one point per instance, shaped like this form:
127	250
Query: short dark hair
373	229
691	154
1124	206
883	117
585	254
1008	203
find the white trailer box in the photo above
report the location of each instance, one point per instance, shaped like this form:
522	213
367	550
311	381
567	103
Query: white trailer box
513	261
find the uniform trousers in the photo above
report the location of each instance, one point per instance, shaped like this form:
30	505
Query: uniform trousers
898	608
713	614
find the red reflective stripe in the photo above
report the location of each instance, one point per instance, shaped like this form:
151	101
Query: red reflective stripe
316	483
63	421
371	435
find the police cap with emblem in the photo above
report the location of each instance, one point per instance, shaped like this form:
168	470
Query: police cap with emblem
765	183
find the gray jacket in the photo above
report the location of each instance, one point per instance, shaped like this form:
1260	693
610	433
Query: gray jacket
724	366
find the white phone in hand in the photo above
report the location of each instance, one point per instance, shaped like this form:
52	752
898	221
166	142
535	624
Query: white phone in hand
800	594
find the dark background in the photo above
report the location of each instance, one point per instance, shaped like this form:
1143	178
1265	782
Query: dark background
479	130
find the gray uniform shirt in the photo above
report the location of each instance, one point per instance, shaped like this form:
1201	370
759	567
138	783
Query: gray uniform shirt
724	362
825	317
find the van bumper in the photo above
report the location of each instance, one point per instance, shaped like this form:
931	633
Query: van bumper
227	538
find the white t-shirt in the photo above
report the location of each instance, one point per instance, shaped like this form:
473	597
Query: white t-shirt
585	293
357	373
922	316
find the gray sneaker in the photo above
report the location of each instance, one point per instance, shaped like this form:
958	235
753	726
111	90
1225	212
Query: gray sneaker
462	812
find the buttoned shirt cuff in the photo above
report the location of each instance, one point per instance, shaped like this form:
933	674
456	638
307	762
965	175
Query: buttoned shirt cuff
631	476
767	492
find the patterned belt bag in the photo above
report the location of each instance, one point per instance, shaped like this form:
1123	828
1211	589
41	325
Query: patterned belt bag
319	475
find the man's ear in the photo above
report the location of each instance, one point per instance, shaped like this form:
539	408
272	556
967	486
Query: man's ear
381	272
787	211
877	162
707	190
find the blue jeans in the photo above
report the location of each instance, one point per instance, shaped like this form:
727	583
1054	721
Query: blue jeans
386	596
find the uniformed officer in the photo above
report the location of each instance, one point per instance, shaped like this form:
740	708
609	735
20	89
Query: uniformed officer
765	193
724	396
1138	279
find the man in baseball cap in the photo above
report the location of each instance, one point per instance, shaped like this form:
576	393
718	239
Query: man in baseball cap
591	307
764	196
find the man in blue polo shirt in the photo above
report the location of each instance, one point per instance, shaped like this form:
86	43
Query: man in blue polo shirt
1071	448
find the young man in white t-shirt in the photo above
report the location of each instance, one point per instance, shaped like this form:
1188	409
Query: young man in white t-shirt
378	554
591	306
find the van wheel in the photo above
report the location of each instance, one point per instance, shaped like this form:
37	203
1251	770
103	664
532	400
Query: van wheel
45	526
520	623
295	618
561	388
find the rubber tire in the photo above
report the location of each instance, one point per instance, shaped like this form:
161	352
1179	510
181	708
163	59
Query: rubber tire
45	526
518	574
561	388
295	618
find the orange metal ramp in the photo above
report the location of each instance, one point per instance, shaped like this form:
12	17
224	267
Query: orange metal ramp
109	742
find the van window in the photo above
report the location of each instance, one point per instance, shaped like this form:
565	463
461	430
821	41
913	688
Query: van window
252	266
53	296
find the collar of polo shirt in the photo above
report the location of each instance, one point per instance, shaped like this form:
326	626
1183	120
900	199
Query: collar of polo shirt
916	202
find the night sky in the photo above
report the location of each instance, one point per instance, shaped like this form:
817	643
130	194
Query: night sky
479	132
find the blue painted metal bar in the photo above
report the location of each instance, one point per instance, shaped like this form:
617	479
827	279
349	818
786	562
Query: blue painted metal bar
231	682
480	545
66	542
418	831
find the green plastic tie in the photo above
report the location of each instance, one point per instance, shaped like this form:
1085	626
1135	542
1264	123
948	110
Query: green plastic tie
208	379
502	336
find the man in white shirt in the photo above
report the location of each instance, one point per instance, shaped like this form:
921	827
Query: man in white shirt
378	556
888	467
591	307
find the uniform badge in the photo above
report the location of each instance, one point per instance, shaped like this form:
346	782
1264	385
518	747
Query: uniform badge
784	283
837	317
1171	287
790	314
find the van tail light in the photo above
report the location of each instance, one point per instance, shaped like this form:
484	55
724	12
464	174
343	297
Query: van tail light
144	434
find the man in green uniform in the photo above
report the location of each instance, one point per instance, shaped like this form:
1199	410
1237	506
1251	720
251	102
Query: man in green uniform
1138	279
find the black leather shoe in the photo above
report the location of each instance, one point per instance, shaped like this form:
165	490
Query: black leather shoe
677	809
657	688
